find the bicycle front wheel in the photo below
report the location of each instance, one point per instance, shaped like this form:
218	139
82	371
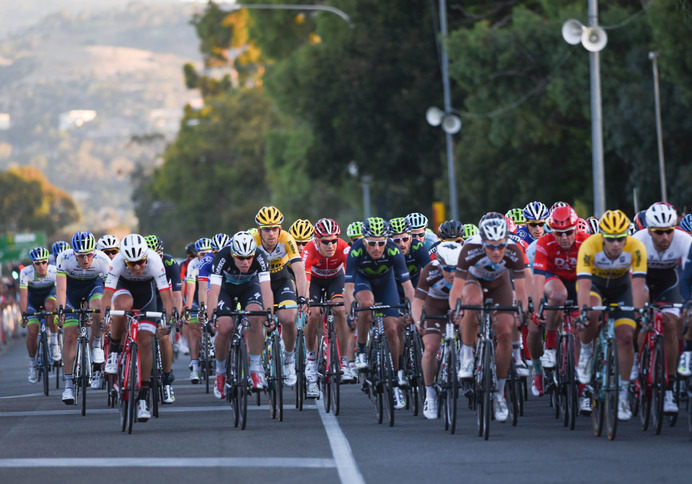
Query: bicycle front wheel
612	389
123	400
511	393
452	388
644	386
278	377
154	381
488	362
658	386
417	383
334	374
375	383
133	387
243	381
85	366
45	362
387	377
598	386
300	370
571	387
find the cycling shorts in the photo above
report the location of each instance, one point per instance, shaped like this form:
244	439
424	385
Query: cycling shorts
332	287
248	293
383	289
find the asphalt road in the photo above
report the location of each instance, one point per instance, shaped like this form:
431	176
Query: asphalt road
42	440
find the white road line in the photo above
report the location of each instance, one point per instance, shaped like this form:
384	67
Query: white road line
346	465
164	410
283	462
22	396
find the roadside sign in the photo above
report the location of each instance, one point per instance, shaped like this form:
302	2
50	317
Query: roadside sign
16	247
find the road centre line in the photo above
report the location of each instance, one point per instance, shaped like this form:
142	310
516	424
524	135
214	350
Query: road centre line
346	464
97	462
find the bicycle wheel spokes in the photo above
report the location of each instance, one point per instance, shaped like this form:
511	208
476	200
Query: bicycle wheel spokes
488	362
300	370
243	383
133	387
452	388
658	386
571	387
278	377
612	390
334	374
45	362
645	386
387	376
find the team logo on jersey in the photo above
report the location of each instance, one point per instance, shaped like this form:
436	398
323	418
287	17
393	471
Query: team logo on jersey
393	251
356	252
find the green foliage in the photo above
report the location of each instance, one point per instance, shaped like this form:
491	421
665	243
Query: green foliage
214	34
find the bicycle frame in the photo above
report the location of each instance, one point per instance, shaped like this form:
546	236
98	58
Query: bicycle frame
82	368
329	357
44	360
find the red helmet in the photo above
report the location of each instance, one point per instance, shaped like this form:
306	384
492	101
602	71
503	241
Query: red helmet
511	226
326	227
582	226
563	218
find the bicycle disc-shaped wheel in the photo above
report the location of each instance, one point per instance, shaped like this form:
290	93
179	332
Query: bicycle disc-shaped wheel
644	387
334	374
571	387
452	389
612	390
658	387
133	388
387	376
488	361
322	370
417	381
45	363
300	370
375	383
597	398
278	377
85	366
243	381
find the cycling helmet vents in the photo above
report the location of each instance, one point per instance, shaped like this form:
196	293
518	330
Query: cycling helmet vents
661	215
134	247
582	226
417	220
563	218
470	230
203	244
686	223
108	242
535	211
448	253
493	226
243	244
354	229
301	230
154	243
83	242
516	215
269	216
375	227
59	246
614	222
558	204
326	227
593	223
38	253
640	220
511	226
219	241
451	229
399	225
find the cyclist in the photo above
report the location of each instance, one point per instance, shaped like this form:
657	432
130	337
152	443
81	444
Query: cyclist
354	231
416	257
449	231
181	341
36	291
666	248
470	230
302	231
420	230
241	272
155	243
55	249
281	251
555	277
603	277
535	213
109	245
686	223
593	223
485	262
516	215
432	292
324	259
80	274
193	293
370	269
130	285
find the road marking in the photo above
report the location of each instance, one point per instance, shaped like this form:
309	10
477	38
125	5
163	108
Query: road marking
341	450
283	462
164	410
22	396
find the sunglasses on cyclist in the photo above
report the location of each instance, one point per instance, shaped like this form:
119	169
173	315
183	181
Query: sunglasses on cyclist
401	239
564	233
373	243
244	257
535	224
110	251
448	268
662	231
134	263
41	263
419	236
84	255
495	246
329	242
614	238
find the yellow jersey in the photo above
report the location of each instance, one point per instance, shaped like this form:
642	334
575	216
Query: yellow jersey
285	252
592	261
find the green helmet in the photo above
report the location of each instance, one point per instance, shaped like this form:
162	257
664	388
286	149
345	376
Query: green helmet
355	229
516	215
154	242
400	225
470	230
375	227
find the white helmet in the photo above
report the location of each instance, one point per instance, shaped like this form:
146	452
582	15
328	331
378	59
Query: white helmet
417	220
134	247
661	215
243	244
107	242
493	226
448	253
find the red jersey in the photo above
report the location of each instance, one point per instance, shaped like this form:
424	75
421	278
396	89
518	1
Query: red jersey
323	267
550	258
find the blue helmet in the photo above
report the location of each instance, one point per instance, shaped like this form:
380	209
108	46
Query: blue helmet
535	211
59	246
38	253
203	244
686	223
83	242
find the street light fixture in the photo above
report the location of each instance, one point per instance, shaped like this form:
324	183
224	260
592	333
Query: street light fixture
653	56
594	39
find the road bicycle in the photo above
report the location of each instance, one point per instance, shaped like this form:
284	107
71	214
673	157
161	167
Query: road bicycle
446	382
206	346
129	378
44	362
485	376
301	358
566	383
379	379
329	358
413	370
82	369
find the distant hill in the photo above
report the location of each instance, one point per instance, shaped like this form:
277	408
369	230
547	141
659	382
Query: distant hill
123	64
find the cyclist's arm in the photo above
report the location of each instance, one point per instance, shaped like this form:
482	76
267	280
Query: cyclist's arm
583	291
178	301
23	299
417	308
61	289
202	292
213	296
538	288
301	278
107	299
267	294
408	289
455	292
639	293
521	294
348	295
167	300
189	293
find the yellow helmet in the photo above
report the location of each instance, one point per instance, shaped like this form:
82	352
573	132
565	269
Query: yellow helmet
614	222
269	216
301	230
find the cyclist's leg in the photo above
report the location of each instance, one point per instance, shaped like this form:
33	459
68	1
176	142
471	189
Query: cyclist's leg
95	303
32	327
194	335
286	295
364	296
472	294
70	333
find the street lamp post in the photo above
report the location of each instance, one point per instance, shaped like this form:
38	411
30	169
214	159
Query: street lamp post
653	56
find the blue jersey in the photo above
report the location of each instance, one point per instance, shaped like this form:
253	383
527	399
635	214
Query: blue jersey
359	260
417	258
523	232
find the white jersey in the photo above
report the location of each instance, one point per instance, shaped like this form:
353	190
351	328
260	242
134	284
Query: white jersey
193	270
154	270
68	265
673	256
28	279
